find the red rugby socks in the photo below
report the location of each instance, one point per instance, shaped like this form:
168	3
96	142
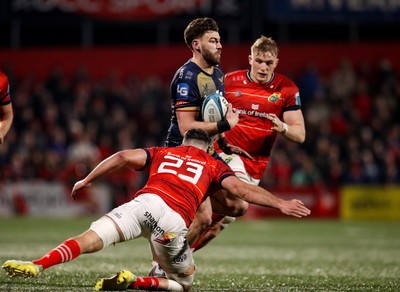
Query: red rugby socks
65	252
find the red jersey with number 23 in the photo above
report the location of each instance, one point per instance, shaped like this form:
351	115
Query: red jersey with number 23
255	101
181	176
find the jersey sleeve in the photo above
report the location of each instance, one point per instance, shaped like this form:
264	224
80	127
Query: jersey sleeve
185	90
150	154
223	171
293	101
5	97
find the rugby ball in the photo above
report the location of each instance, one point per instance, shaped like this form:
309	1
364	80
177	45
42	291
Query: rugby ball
214	108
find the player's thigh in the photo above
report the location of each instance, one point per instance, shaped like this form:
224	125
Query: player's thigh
169	246
134	219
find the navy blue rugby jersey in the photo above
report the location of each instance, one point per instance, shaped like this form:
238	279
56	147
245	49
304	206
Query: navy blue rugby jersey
189	87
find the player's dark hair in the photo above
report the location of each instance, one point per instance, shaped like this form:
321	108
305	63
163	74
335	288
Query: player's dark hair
265	44
197	134
197	28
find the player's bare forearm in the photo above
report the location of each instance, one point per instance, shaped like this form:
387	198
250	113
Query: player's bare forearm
210	128
292	127
297	133
188	120
264	198
259	196
108	165
135	159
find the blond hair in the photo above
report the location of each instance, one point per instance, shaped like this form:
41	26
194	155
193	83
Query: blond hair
265	44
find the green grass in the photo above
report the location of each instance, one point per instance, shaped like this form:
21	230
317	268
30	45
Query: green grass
270	255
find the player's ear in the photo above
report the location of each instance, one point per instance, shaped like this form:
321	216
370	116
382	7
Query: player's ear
196	45
277	61
250	59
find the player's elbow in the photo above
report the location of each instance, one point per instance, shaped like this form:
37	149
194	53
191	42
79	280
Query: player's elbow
299	136
302	138
183	128
122	156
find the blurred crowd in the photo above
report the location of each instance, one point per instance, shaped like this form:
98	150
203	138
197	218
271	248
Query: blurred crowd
64	125
353	129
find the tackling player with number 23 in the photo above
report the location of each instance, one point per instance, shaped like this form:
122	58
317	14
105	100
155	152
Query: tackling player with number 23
161	212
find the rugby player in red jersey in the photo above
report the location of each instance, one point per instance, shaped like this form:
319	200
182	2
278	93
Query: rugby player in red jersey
6	111
161	212
269	105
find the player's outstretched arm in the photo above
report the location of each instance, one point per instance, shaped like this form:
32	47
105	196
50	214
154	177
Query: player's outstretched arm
259	196
188	120
135	159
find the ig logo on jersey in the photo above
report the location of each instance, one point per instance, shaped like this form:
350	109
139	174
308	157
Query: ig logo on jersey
182	90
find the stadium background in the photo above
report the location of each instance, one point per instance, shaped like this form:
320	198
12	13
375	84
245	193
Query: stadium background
89	78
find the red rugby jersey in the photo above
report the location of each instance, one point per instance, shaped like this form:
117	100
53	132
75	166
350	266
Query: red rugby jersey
254	101
181	176
4	90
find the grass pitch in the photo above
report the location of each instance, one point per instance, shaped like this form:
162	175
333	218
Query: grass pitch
267	255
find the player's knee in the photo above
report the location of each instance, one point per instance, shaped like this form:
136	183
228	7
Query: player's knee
186	279
106	230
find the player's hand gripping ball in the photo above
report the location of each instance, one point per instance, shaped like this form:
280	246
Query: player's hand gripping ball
214	108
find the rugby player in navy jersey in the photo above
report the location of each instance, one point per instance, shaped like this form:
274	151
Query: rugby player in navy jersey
198	77
6	111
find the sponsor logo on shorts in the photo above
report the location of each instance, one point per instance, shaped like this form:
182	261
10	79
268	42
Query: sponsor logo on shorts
152	224
179	259
118	215
228	159
167	238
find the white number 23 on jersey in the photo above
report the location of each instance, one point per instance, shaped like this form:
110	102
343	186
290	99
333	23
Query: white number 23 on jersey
177	166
